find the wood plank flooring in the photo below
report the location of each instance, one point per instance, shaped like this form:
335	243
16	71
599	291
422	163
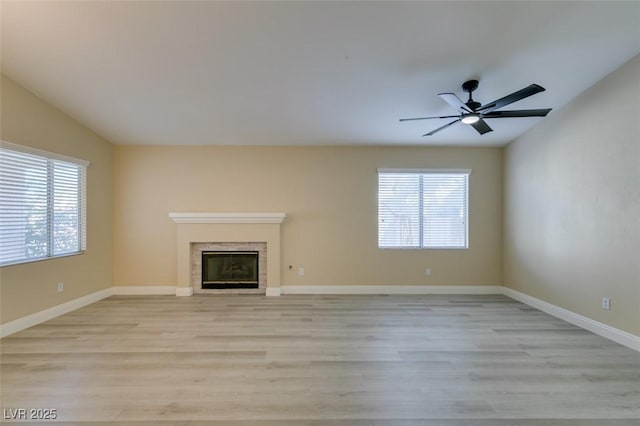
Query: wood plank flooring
242	360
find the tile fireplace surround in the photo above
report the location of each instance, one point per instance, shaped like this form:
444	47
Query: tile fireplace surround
196	230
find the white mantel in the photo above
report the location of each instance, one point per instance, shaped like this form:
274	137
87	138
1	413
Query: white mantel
223	228
227	217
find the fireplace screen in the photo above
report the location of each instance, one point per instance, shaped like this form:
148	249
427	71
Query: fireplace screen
230	269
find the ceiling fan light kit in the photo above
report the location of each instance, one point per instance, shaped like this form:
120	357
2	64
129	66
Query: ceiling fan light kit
474	113
470	118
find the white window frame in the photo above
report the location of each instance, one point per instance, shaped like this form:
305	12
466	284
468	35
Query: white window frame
420	243
49	194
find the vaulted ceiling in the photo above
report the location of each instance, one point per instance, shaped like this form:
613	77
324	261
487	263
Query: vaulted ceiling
312	72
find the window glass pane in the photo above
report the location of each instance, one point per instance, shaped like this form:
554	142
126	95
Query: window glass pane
444	208
398	207
66	208
23	201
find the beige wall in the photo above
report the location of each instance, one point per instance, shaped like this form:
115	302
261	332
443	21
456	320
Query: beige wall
572	204
329	195
32	287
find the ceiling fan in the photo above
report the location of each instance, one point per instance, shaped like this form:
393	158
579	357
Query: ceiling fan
474	113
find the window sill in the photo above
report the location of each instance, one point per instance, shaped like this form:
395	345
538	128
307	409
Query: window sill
40	259
423	248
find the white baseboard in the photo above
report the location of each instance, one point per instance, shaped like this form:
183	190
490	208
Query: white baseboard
167	290
183	291
144	290
390	289
50	313
622	337
273	291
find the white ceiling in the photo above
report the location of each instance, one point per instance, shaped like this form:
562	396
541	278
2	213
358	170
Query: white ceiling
288	73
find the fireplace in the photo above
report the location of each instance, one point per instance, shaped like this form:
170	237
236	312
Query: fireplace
230	269
200	263
198	232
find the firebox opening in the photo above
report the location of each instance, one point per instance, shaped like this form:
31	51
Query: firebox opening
229	269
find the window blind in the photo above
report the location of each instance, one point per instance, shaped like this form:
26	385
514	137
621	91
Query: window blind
42	205
423	208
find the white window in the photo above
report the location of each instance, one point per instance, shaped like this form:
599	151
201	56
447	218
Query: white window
423	208
42	204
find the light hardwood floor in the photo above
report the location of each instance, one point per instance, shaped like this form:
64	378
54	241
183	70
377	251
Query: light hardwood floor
244	360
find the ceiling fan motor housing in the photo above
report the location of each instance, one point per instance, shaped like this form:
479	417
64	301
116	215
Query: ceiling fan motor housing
473	105
469	86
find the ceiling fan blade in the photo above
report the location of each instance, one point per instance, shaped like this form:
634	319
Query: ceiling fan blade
454	101
481	127
428	118
518	113
515	96
441	128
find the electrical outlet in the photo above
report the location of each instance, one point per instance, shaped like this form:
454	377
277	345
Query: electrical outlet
300	271
427	272
606	303
60	287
